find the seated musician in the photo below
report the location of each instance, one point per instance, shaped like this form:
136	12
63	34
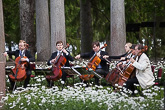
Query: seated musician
121	57
22	52
102	68
52	60
143	74
125	60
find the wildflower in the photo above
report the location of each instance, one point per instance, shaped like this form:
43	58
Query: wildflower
108	88
43	87
62	82
43	100
120	87
84	85
38	80
135	91
116	85
4	98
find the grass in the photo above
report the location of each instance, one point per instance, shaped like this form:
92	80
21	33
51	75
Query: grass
80	97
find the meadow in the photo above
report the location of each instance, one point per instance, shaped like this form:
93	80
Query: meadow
79	96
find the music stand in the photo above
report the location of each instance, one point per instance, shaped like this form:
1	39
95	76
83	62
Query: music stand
79	71
70	71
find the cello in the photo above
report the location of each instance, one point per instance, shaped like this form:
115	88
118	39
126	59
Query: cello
95	60
92	64
19	72
118	76
129	68
113	76
56	66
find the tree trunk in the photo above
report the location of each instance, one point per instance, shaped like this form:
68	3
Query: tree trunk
107	49
57	23
2	58
27	23
118	30
86	26
42	30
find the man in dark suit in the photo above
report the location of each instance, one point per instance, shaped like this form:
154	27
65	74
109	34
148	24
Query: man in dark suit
103	67
52	60
22	52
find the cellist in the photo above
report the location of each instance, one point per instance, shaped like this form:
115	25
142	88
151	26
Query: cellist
22	51
52	60
127	48
143	74
102	68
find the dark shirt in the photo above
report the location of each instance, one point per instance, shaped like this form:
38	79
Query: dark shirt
27	54
103	62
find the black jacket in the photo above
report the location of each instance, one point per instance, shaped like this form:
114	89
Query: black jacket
103	62
68	58
27	54
118	57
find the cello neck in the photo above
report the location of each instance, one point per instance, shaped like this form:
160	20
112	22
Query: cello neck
57	57
97	52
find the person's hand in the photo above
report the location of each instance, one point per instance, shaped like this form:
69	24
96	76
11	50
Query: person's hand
53	60
5	54
122	58
23	59
105	56
65	51
132	60
77	57
22	66
98	54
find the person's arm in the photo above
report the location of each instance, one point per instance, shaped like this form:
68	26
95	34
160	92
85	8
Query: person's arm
117	57
30	57
10	52
49	61
86	55
103	53
69	57
142	65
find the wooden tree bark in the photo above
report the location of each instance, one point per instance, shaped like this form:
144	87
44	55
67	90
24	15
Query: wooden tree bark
86	26
42	30
57	23
118	30
27	23
2	58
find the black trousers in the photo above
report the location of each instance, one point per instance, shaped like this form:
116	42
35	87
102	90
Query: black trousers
130	84
99	71
26	82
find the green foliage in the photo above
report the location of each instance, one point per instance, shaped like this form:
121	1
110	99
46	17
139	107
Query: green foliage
11	20
80	98
101	19
136	11
72	16
162	80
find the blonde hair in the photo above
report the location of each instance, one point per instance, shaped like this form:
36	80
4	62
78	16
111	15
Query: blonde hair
22	41
129	44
